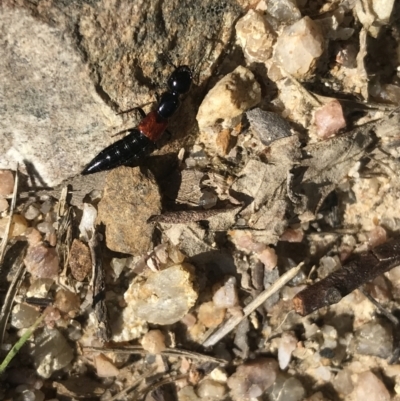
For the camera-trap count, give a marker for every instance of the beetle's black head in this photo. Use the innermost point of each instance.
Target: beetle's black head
(180, 80)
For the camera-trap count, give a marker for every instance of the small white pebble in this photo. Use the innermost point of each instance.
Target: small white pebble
(46, 206)
(31, 212)
(287, 345)
(45, 227)
(211, 388)
(219, 375)
(377, 236)
(226, 296)
(86, 226)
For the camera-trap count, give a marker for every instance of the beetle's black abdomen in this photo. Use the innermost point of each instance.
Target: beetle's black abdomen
(134, 146)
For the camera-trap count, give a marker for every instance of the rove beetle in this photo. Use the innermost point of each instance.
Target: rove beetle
(141, 140)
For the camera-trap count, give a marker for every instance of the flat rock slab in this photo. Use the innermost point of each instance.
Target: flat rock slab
(130, 198)
(51, 117)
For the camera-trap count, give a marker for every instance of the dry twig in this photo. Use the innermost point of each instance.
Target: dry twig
(230, 324)
(172, 352)
(342, 282)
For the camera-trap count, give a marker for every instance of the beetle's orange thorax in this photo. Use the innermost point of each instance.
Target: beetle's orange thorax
(153, 126)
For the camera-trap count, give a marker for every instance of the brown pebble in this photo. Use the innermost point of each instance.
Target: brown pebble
(6, 182)
(224, 141)
(3, 205)
(41, 261)
(104, 366)
(154, 342)
(329, 119)
(80, 261)
(130, 198)
(210, 315)
(67, 302)
(18, 225)
(253, 378)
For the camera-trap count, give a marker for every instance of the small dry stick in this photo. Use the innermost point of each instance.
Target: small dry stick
(170, 352)
(8, 226)
(235, 320)
(342, 282)
(122, 394)
(99, 290)
(188, 216)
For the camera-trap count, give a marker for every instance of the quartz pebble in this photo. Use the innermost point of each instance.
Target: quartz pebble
(285, 11)
(154, 342)
(226, 296)
(330, 336)
(369, 387)
(45, 227)
(162, 297)
(328, 265)
(219, 375)
(41, 261)
(31, 212)
(6, 182)
(228, 99)
(74, 330)
(212, 389)
(23, 316)
(18, 225)
(210, 315)
(375, 339)
(39, 288)
(86, 226)
(187, 394)
(377, 236)
(51, 352)
(255, 36)
(208, 200)
(117, 265)
(286, 389)
(287, 345)
(253, 378)
(329, 119)
(46, 206)
(299, 47)
(342, 382)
